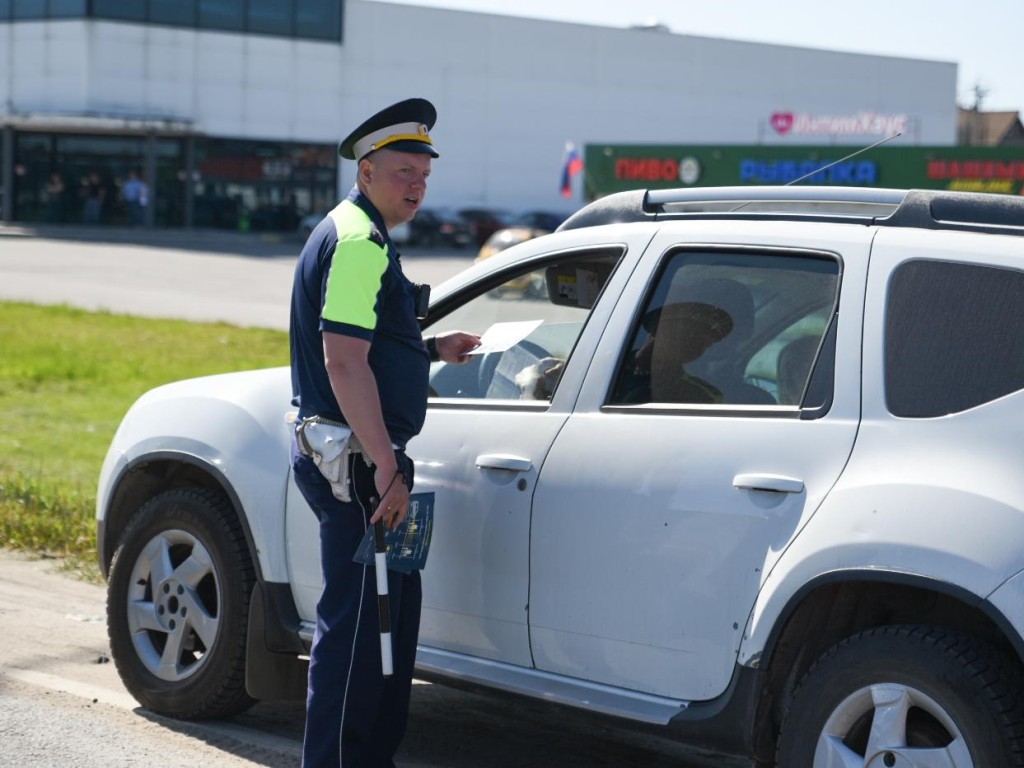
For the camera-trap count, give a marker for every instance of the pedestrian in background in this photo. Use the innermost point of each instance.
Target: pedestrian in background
(95, 195)
(55, 198)
(135, 197)
(359, 359)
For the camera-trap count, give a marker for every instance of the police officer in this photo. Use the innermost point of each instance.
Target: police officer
(358, 358)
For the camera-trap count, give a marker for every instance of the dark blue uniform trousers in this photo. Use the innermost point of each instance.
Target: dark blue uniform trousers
(355, 717)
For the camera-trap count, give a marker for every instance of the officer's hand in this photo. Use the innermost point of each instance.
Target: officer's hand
(455, 346)
(394, 498)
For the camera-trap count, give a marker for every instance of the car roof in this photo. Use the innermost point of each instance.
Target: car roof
(924, 209)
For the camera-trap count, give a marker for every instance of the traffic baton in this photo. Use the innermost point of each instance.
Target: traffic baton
(380, 559)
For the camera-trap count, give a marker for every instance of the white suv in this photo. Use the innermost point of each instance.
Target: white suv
(747, 475)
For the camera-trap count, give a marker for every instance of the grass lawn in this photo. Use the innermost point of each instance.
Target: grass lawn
(67, 376)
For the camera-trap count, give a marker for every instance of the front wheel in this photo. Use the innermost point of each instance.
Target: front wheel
(178, 606)
(912, 696)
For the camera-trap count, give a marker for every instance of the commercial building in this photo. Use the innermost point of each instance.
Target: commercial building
(616, 168)
(231, 109)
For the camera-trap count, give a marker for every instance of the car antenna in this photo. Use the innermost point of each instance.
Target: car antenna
(878, 143)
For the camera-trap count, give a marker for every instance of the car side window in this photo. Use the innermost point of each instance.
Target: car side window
(529, 322)
(954, 337)
(722, 328)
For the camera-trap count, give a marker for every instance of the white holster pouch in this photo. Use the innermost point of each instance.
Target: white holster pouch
(329, 444)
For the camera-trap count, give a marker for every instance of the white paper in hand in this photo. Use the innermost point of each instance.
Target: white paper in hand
(502, 336)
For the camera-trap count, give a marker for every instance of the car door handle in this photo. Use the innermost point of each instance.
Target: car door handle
(775, 483)
(504, 461)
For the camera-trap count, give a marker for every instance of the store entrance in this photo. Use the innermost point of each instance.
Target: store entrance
(244, 185)
(73, 179)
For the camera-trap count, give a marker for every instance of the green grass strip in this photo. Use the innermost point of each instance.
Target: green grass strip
(67, 376)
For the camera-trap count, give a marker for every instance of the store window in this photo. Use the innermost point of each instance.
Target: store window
(270, 17)
(29, 9)
(79, 179)
(125, 10)
(176, 12)
(228, 15)
(311, 19)
(262, 186)
(318, 19)
(71, 9)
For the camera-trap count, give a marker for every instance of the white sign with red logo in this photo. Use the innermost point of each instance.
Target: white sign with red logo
(870, 123)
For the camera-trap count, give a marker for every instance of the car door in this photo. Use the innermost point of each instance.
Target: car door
(490, 424)
(692, 458)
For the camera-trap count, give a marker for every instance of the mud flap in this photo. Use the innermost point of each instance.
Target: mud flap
(270, 674)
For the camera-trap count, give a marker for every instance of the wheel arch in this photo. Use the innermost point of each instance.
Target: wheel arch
(274, 669)
(835, 605)
(153, 473)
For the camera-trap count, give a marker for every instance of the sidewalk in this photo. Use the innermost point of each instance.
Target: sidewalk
(210, 240)
(257, 244)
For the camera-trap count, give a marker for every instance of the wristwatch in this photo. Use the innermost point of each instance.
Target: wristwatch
(432, 349)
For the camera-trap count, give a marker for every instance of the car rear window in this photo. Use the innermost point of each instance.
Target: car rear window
(954, 337)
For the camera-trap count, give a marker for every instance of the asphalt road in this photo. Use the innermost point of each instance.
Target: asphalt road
(61, 702)
(241, 279)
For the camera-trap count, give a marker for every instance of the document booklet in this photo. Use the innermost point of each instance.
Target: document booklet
(407, 544)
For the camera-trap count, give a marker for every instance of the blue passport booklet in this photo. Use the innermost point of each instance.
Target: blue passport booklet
(409, 543)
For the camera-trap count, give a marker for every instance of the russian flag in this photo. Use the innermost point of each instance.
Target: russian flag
(573, 165)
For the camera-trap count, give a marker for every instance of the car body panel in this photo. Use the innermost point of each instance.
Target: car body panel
(910, 482)
(234, 422)
(669, 497)
(644, 558)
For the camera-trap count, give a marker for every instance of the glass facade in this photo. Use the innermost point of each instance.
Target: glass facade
(57, 176)
(308, 19)
(124, 10)
(28, 9)
(64, 178)
(261, 185)
(66, 9)
(172, 12)
(271, 17)
(228, 15)
(61, 177)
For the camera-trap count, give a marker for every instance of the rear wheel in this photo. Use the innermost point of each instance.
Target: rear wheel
(178, 605)
(907, 696)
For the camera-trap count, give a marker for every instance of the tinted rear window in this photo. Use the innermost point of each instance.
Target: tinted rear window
(954, 337)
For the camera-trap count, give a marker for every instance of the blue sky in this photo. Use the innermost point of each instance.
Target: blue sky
(981, 36)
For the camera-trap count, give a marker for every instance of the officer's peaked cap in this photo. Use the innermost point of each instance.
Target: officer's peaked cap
(404, 127)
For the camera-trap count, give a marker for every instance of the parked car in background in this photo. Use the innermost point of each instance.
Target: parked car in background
(485, 221)
(523, 227)
(399, 235)
(543, 220)
(440, 228)
(744, 473)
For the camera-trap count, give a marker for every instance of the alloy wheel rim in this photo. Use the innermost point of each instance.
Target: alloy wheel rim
(174, 605)
(889, 725)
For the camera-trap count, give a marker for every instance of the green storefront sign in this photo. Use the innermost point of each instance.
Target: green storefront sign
(617, 167)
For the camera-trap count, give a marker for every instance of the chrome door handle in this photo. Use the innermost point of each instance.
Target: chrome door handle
(504, 461)
(774, 483)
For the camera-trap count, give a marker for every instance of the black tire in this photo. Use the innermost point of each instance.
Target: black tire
(178, 637)
(928, 689)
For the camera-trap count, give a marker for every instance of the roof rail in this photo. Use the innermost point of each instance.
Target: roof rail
(965, 211)
(926, 209)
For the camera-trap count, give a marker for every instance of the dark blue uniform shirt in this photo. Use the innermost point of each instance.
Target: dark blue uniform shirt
(349, 280)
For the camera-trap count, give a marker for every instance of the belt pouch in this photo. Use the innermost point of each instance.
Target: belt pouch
(328, 444)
